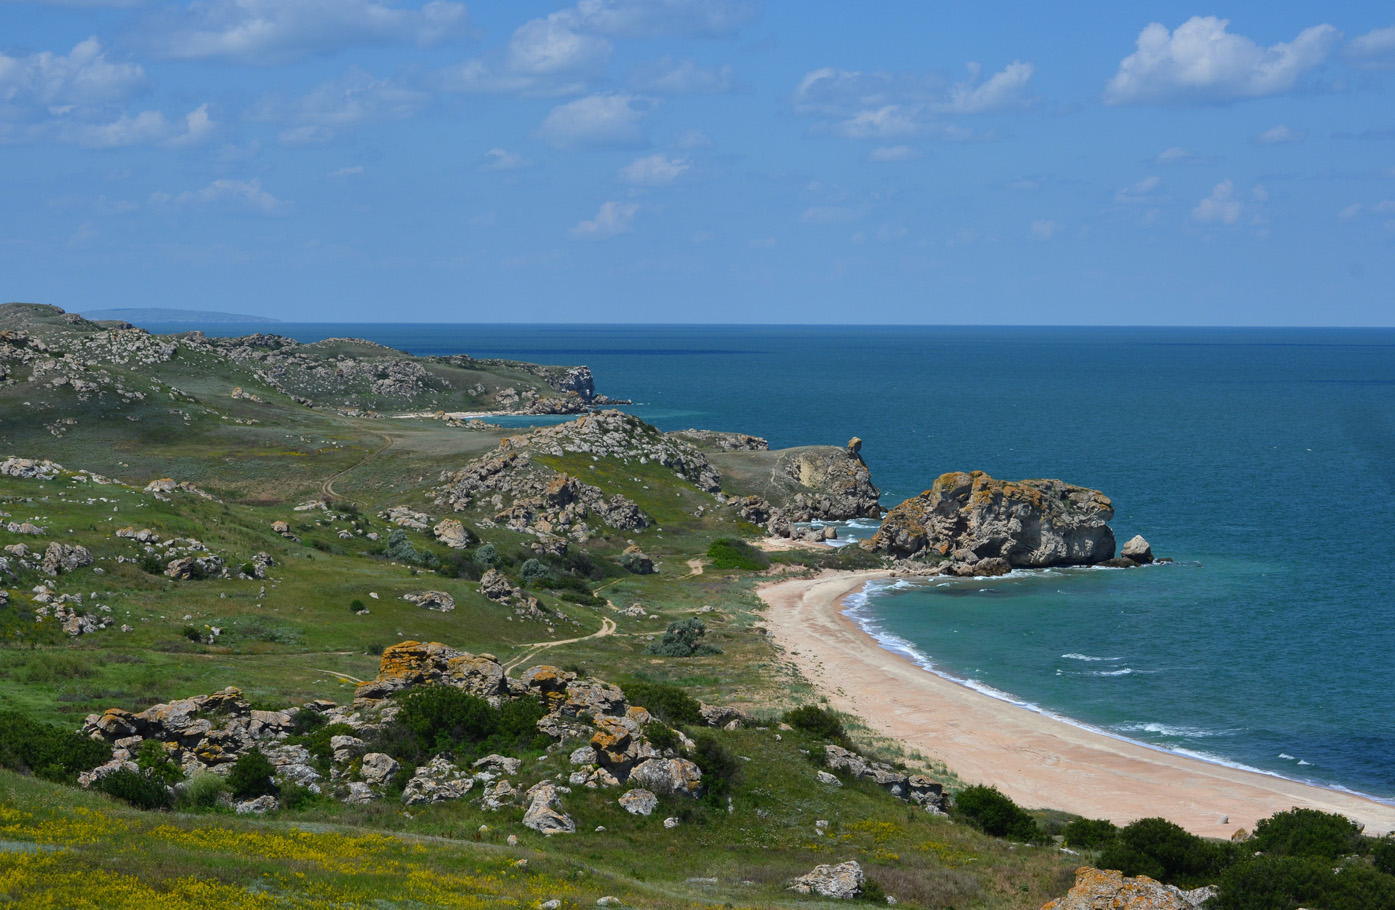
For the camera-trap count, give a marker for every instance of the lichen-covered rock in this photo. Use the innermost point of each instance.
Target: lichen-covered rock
(668, 776)
(1104, 889)
(1138, 550)
(452, 533)
(1029, 523)
(498, 764)
(844, 881)
(639, 801)
(437, 781)
(191, 568)
(824, 483)
(544, 815)
(439, 601)
(378, 768)
(64, 557)
(30, 468)
(410, 664)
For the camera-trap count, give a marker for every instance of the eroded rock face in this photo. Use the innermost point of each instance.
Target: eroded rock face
(1104, 888)
(1138, 550)
(844, 881)
(1029, 523)
(639, 801)
(412, 663)
(437, 781)
(668, 776)
(64, 557)
(452, 533)
(827, 484)
(439, 601)
(543, 813)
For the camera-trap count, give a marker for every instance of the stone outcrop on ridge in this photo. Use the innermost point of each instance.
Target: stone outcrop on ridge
(826, 484)
(1097, 888)
(970, 518)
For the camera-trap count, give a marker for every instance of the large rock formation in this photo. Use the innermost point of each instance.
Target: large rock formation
(827, 484)
(973, 517)
(1103, 888)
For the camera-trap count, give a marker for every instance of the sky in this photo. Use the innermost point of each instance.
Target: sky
(701, 161)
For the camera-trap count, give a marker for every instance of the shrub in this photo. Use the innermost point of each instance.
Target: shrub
(150, 564)
(306, 721)
(1307, 832)
(1157, 848)
(683, 638)
(136, 788)
(721, 769)
(662, 737)
(251, 776)
(356, 606)
(316, 739)
(1383, 856)
(669, 704)
(156, 763)
(730, 553)
(438, 719)
(400, 549)
(532, 571)
(1288, 882)
(202, 790)
(47, 750)
(994, 813)
(486, 557)
(820, 723)
(1089, 833)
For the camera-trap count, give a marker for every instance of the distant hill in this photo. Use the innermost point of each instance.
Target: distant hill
(172, 317)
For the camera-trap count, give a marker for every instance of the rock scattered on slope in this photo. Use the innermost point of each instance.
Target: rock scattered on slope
(844, 881)
(1102, 888)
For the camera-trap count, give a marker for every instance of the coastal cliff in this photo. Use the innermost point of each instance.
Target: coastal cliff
(971, 518)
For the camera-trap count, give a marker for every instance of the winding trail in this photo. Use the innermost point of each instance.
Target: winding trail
(607, 629)
(696, 566)
(327, 488)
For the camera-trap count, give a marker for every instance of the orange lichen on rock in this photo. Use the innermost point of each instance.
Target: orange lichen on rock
(1105, 889)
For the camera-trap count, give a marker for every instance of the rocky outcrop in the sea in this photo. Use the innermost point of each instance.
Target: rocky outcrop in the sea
(971, 518)
(1103, 888)
(823, 483)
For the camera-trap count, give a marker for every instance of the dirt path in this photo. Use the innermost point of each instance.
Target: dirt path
(327, 488)
(607, 629)
(696, 566)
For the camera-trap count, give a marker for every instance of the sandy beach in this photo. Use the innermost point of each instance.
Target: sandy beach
(1037, 760)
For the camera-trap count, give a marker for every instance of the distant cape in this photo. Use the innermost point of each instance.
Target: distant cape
(170, 317)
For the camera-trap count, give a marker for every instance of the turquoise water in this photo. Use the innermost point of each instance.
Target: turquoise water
(1262, 460)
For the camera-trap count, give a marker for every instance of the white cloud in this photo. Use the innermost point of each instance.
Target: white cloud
(667, 76)
(1141, 193)
(552, 45)
(355, 97)
(660, 18)
(830, 214)
(1281, 135)
(497, 159)
(888, 153)
(1202, 62)
(884, 105)
(655, 170)
(265, 32)
(1178, 155)
(1374, 50)
(1350, 211)
(609, 118)
(241, 193)
(1226, 206)
(612, 218)
(1044, 230)
(84, 78)
(144, 128)
(1384, 207)
(344, 173)
(692, 139)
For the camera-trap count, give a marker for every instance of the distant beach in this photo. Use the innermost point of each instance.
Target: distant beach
(1038, 760)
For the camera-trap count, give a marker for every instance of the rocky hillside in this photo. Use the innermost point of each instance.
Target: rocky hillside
(978, 525)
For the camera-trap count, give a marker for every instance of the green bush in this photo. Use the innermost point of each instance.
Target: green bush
(1089, 833)
(136, 788)
(1157, 848)
(669, 704)
(486, 557)
(1308, 832)
(993, 813)
(154, 760)
(730, 553)
(1289, 882)
(721, 768)
(438, 719)
(399, 549)
(533, 571)
(47, 750)
(357, 606)
(202, 790)
(683, 638)
(662, 737)
(251, 776)
(316, 740)
(820, 723)
(1383, 856)
(151, 564)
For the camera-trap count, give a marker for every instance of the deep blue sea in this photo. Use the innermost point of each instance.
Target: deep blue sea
(1261, 460)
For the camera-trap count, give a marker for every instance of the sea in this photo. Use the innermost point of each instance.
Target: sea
(1260, 460)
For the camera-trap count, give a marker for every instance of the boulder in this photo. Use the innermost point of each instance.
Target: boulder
(452, 533)
(409, 664)
(498, 764)
(639, 801)
(259, 806)
(844, 881)
(378, 768)
(498, 794)
(544, 815)
(191, 568)
(496, 586)
(64, 557)
(1096, 888)
(1029, 523)
(826, 483)
(1138, 550)
(668, 776)
(831, 780)
(437, 781)
(439, 601)
(636, 561)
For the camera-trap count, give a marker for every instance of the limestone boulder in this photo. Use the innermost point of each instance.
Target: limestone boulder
(410, 664)
(1097, 888)
(439, 601)
(544, 813)
(64, 557)
(1138, 550)
(437, 781)
(378, 769)
(668, 776)
(452, 533)
(639, 801)
(844, 881)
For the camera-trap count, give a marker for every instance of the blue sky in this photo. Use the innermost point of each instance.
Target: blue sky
(714, 161)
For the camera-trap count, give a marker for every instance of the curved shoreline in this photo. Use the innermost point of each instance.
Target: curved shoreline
(1038, 760)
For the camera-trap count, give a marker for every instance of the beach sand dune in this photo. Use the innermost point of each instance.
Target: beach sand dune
(1037, 760)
